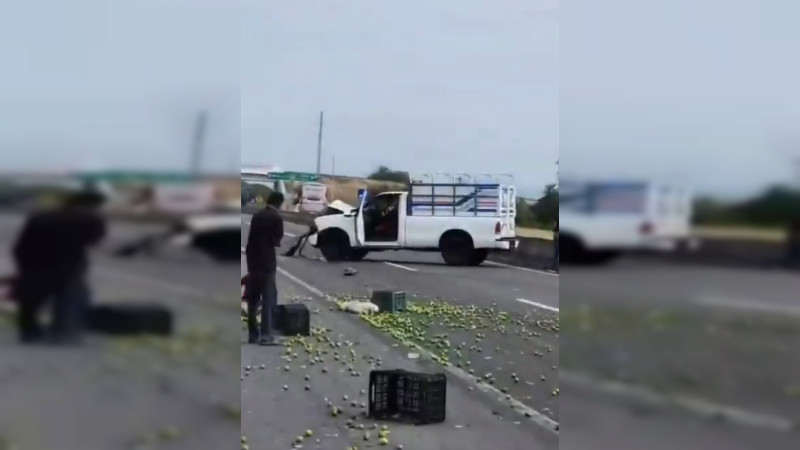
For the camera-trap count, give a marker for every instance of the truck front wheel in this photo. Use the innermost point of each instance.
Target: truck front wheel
(358, 254)
(334, 246)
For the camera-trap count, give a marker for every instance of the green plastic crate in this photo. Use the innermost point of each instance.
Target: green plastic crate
(390, 301)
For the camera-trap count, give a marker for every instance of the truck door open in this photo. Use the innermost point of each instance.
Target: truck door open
(360, 235)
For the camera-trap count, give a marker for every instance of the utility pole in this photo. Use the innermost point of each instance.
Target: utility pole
(198, 142)
(558, 171)
(319, 145)
(333, 164)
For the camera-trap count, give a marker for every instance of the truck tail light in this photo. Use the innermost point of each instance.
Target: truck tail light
(498, 228)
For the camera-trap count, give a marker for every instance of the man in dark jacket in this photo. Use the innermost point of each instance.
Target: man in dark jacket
(266, 232)
(51, 256)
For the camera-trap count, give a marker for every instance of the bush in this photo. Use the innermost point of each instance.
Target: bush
(543, 214)
(251, 191)
(385, 174)
(777, 206)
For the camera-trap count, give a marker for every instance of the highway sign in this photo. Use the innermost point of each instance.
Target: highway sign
(292, 176)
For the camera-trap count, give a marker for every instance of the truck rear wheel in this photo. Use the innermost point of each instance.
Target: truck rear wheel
(478, 256)
(456, 248)
(357, 254)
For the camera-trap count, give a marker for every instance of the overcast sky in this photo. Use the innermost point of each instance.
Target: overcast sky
(702, 90)
(113, 83)
(422, 86)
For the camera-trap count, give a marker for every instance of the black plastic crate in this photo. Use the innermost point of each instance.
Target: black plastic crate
(293, 319)
(406, 396)
(390, 301)
(130, 319)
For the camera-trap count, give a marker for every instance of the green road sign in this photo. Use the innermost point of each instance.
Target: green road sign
(120, 176)
(292, 176)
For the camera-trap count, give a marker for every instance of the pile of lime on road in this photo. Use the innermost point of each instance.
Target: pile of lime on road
(464, 220)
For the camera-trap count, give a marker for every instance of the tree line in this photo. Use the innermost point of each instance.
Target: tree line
(776, 206)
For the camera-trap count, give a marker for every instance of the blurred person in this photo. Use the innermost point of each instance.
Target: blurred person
(51, 258)
(266, 233)
(554, 265)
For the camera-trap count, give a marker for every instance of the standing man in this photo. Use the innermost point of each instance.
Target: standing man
(266, 232)
(51, 256)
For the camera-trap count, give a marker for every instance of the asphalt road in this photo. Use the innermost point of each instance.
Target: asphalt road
(662, 284)
(283, 396)
(593, 417)
(178, 393)
(183, 395)
(518, 350)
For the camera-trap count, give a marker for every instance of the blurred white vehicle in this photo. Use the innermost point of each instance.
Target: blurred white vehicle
(600, 220)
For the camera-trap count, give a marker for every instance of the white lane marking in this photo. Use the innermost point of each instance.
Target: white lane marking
(690, 404)
(400, 266)
(538, 305)
(526, 269)
(302, 283)
(751, 305)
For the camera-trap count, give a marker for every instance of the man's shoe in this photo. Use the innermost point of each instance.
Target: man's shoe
(252, 338)
(267, 341)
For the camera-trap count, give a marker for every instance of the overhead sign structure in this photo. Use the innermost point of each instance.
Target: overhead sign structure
(293, 176)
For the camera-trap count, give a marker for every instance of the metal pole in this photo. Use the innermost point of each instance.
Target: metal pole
(198, 142)
(333, 164)
(319, 145)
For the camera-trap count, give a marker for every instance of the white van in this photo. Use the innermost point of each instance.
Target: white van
(600, 220)
(313, 198)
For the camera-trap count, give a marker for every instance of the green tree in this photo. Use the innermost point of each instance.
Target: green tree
(386, 174)
(776, 206)
(545, 210)
(254, 190)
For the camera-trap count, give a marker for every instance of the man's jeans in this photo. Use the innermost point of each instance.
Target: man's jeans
(70, 305)
(263, 293)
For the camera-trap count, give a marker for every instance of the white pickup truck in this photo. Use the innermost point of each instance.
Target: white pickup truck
(463, 221)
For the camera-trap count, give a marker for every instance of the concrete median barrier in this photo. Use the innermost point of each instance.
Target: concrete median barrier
(728, 253)
(537, 253)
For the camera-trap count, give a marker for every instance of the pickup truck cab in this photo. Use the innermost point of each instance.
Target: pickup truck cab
(462, 221)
